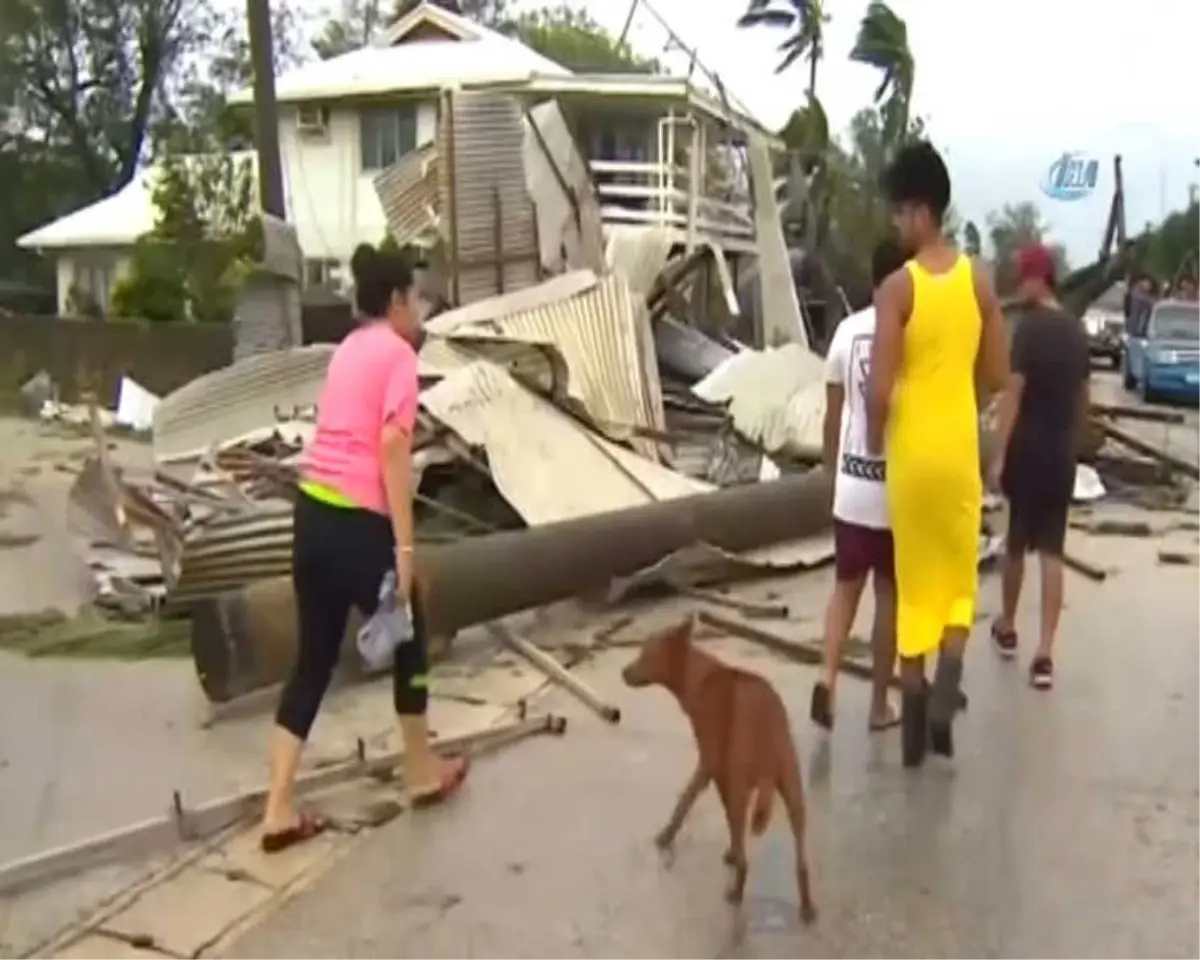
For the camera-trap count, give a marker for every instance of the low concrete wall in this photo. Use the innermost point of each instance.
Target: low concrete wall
(84, 355)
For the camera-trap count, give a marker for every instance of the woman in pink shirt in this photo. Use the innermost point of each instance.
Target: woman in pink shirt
(353, 523)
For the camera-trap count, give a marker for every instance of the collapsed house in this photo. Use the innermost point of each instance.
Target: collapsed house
(585, 363)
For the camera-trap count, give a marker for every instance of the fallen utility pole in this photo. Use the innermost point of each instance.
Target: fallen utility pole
(187, 825)
(246, 639)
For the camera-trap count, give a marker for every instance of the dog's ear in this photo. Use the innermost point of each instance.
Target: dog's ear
(682, 631)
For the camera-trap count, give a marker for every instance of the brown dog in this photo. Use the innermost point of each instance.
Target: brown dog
(745, 746)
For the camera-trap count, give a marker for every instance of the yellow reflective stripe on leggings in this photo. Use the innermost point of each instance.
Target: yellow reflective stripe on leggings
(324, 493)
(420, 681)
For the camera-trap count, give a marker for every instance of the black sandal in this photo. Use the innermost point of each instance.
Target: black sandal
(820, 708)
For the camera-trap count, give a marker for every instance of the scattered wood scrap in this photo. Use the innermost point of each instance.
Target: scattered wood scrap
(795, 650)
(1150, 414)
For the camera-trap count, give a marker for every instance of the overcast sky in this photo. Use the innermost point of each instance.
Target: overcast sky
(1007, 87)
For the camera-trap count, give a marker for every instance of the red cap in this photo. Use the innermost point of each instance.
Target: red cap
(1035, 262)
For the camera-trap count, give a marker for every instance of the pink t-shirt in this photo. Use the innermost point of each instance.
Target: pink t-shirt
(372, 381)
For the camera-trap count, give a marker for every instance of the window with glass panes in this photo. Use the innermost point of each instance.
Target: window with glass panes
(388, 133)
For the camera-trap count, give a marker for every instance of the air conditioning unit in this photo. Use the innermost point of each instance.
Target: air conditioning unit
(312, 121)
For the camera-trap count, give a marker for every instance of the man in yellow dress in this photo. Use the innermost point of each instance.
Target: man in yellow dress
(938, 323)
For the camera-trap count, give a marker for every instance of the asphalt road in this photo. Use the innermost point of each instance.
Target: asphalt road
(1065, 827)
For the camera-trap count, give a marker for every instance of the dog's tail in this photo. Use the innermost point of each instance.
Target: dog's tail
(764, 798)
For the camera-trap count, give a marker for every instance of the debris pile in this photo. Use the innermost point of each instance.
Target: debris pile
(574, 373)
(546, 404)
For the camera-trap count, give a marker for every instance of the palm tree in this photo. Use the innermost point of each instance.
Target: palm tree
(806, 20)
(882, 43)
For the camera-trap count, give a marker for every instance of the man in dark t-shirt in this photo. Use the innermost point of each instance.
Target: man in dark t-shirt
(1040, 416)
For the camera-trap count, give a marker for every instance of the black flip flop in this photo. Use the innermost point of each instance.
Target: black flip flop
(308, 826)
(449, 787)
(820, 709)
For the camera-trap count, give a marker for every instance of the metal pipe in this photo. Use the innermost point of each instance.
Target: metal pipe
(246, 639)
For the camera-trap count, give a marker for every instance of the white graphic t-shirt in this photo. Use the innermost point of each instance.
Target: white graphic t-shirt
(859, 496)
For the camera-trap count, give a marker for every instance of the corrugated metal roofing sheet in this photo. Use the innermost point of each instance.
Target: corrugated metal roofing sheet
(605, 339)
(480, 135)
(560, 183)
(638, 253)
(776, 397)
(547, 466)
(408, 194)
(548, 291)
(238, 399)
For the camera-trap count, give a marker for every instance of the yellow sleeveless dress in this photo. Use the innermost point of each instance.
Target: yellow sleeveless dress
(934, 488)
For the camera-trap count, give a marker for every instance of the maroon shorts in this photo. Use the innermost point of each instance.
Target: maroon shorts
(859, 550)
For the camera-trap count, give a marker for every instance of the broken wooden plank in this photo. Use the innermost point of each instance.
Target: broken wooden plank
(1089, 570)
(182, 824)
(1179, 465)
(1151, 414)
(795, 650)
(747, 608)
(555, 671)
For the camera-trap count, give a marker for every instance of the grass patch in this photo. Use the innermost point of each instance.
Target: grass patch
(92, 636)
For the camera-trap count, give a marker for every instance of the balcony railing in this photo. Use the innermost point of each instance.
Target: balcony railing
(658, 195)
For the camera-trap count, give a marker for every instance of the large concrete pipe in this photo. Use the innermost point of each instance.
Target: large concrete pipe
(245, 639)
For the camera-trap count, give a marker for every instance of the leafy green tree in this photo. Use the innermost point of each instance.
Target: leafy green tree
(94, 75)
(882, 42)
(566, 34)
(1171, 243)
(192, 263)
(1009, 229)
(355, 26)
(972, 240)
(805, 22)
(89, 88)
(569, 36)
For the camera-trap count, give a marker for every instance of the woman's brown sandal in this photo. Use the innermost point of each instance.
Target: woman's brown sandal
(308, 826)
(452, 780)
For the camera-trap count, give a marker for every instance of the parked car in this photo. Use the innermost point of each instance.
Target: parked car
(1162, 359)
(1104, 332)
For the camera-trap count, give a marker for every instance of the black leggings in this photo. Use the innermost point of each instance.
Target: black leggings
(339, 559)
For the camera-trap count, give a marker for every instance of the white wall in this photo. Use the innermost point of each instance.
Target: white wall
(330, 199)
(89, 267)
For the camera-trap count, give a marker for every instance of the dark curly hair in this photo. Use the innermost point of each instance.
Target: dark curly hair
(918, 175)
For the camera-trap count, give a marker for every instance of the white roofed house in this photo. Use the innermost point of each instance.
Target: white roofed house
(91, 246)
(343, 121)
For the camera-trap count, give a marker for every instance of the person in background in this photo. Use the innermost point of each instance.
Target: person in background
(353, 523)
(1139, 300)
(938, 322)
(1185, 289)
(861, 534)
(1039, 418)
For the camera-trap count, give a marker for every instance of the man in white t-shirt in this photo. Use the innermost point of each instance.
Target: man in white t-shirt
(862, 535)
